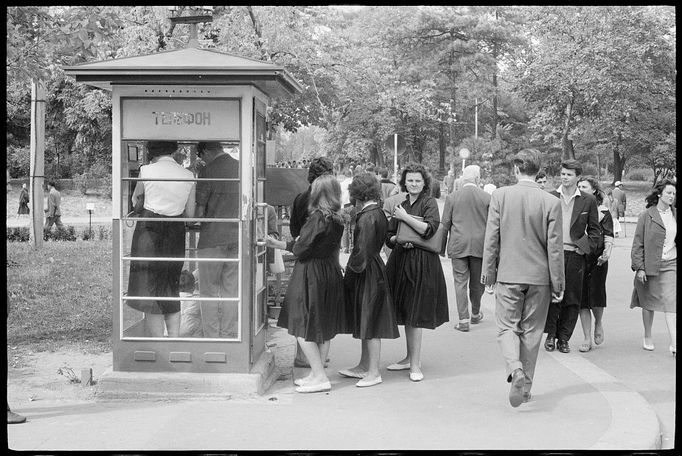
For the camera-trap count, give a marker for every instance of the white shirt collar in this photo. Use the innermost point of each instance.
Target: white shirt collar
(561, 192)
(469, 183)
(528, 179)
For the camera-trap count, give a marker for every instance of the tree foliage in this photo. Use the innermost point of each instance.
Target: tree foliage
(568, 80)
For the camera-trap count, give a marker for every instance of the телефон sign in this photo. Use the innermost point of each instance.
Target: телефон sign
(178, 119)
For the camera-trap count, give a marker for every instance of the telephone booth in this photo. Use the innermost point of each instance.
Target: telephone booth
(190, 96)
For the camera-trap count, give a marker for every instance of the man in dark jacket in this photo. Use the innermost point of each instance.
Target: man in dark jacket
(581, 233)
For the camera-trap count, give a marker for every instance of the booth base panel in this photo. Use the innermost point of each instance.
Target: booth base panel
(116, 385)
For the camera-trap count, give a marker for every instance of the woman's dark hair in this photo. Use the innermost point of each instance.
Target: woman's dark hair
(365, 187)
(597, 191)
(416, 168)
(319, 166)
(652, 198)
(159, 148)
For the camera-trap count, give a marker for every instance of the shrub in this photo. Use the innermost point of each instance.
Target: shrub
(61, 234)
(18, 234)
(104, 232)
(589, 170)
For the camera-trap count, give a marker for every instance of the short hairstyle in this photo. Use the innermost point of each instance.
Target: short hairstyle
(416, 168)
(574, 165)
(160, 148)
(319, 166)
(540, 175)
(203, 146)
(471, 173)
(652, 198)
(597, 191)
(528, 161)
(51, 183)
(383, 172)
(365, 187)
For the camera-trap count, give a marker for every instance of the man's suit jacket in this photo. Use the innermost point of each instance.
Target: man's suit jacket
(464, 219)
(585, 232)
(523, 238)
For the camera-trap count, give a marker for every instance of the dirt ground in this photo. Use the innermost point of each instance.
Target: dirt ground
(34, 376)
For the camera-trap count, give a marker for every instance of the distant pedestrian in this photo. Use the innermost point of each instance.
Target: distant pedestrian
(314, 306)
(597, 266)
(387, 185)
(654, 260)
(541, 179)
(53, 212)
(618, 203)
(464, 220)
(368, 298)
(23, 202)
(523, 235)
(581, 234)
(415, 275)
(489, 188)
(449, 181)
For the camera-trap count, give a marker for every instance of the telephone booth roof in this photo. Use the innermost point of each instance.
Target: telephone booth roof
(187, 67)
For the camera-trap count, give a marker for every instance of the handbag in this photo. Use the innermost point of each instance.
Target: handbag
(407, 234)
(277, 265)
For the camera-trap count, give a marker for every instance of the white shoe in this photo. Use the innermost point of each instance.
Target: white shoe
(646, 346)
(416, 376)
(398, 367)
(363, 383)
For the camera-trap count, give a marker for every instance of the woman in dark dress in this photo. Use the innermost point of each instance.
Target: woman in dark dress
(415, 275)
(368, 298)
(23, 201)
(594, 280)
(313, 308)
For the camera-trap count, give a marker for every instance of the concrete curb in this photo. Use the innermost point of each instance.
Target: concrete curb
(634, 423)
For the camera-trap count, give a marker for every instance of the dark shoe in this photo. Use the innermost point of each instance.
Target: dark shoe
(562, 346)
(14, 418)
(518, 380)
(550, 343)
(476, 319)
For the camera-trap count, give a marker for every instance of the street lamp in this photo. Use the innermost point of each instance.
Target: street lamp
(464, 154)
(90, 208)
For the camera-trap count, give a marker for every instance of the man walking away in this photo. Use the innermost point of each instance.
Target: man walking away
(464, 219)
(619, 202)
(523, 235)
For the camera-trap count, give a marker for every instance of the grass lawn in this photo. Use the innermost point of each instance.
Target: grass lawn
(59, 295)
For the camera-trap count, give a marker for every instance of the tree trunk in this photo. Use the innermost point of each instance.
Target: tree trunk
(618, 162)
(567, 152)
(441, 147)
(495, 119)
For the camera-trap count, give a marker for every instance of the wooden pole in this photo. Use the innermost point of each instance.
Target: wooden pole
(37, 165)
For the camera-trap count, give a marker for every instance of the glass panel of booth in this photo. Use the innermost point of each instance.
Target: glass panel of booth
(180, 240)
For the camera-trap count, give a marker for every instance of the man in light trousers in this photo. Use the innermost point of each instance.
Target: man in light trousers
(523, 256)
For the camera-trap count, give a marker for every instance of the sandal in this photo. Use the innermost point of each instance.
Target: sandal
(585, 347)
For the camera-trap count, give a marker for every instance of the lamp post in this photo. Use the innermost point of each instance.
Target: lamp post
(464, 154)
(90, 208)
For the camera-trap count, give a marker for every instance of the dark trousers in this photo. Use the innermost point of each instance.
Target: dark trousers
(562, 316)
